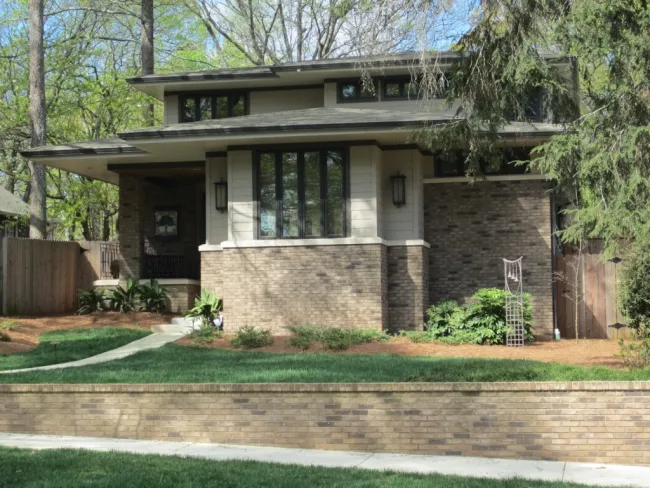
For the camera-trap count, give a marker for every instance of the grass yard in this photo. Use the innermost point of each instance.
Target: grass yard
(72, 469)
(70, 345)
(182, 364)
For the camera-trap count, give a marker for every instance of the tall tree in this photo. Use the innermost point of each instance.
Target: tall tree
(37, 187)
(147, 48)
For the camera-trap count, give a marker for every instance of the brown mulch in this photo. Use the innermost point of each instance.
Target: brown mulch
(587, 352)
(25, 336)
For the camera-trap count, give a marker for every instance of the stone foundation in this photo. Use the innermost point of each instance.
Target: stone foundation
(599, 422)
(472, 227)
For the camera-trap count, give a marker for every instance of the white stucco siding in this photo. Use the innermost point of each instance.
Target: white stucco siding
(171, 109)
(282, 100)
(241, 216)
(216, 222)
(406, 222)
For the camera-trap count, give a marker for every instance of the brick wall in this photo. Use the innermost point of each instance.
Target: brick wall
(274, 287)
(601, 422)
(472, 227)
(212, 276)
(181, 297)
(408, 286)
(138, 201)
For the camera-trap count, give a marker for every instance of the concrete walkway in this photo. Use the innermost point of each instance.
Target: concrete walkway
(588, 474)
(152, 341)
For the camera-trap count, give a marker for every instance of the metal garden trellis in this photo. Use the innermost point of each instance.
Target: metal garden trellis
(513, 276)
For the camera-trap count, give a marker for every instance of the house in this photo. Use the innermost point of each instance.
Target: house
(293, 192)
(12, 209)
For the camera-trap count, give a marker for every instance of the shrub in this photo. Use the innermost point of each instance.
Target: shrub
(634, 292)
(334, 338)
(125, 300)
(206, 307)
(205, 335)
(4, 337)
(91, 301)
(635, 355)
(153, 297)
(249, 337)
(481, 321)
(8, 325)
(303, 337)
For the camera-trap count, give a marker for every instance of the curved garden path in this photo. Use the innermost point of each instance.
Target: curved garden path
(153, 341)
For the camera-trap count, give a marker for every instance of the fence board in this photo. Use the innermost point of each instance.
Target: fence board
(42, 277)
(598, 309)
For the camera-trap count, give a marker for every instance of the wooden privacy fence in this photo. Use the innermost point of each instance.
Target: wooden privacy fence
(42, 277)
(596, 293)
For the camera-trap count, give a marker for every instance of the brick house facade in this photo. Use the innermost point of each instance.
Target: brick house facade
(306, 202)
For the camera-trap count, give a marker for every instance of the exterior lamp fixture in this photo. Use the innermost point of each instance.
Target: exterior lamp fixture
(221, 195)
(398, 184)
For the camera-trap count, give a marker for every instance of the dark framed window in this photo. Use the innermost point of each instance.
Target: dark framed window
(302, 193)
(408, 87)
(533, 107)
(402, 88)
(356, 91)
(452, 164)
(196, 107)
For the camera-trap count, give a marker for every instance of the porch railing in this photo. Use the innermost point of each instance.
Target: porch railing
(165, 266)
(109, 258)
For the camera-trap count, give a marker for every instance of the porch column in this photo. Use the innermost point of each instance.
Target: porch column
(131, 226)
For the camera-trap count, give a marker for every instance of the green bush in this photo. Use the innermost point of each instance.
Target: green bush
(205, 335)
(634, 292)
(153, 297)
(481, 321)
(4, 337)
(91, 301)
(125, 300)
(249, 337)
(333, 338)
(635, 355)
(206, 307)
(8, 325)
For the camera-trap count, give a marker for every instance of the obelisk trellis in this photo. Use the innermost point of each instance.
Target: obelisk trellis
(513, 276)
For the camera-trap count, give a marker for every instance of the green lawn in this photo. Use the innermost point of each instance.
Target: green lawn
(73, 344)
(72, 469)
(181, 364)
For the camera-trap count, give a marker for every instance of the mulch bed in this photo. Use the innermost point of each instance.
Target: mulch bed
(25, 336)
(587, 352)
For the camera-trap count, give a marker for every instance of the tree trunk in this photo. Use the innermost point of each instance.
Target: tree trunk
(147, 50)
(37, 207)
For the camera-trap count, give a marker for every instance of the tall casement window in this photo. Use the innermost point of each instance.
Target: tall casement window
(206, 107)
(302, 194)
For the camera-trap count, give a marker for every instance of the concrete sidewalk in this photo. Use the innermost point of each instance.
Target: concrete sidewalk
(589, 474)
(152, 341)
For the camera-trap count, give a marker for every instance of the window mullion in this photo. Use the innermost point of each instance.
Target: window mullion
(323, 193)
(213, 106)
(301, 194)
(279, 194)
(197, 109)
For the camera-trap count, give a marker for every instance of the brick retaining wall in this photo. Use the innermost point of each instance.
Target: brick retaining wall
(593, 422)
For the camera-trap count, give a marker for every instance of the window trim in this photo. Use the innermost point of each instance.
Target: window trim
(359, 83)
(213, 96)
(301, 150)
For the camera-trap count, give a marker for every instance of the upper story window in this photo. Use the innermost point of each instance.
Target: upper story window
(403, 88)
(213, 106)
(452, 164)
(356, 91)
(302, 194)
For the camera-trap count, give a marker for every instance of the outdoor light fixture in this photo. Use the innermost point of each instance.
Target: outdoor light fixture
(221, 195)
(398, 183)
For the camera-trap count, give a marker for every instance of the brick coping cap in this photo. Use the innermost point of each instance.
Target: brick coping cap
(328, 387)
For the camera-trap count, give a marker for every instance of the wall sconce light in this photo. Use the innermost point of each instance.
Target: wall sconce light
(221, 195)
(398, 184)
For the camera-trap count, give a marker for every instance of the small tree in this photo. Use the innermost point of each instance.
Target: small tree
(573, 284)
